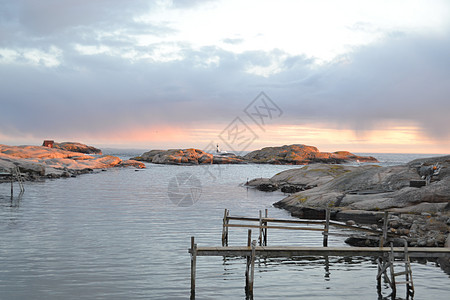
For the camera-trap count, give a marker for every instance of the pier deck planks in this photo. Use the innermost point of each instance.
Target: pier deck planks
(287, 251)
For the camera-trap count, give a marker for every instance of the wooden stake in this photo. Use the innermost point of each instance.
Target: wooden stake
(247, 267)
(265, 229)
(391, 267)
(12, 185)
(252, 270)
(327, 227)
(260, 228)
(193, 266)
(385, 225)
(225, 229)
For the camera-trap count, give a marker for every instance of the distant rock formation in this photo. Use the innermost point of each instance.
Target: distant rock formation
(301, 155)
(77, 147)
(186, 156)
(36, 161)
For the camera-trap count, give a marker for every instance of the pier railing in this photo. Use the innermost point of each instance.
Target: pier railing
(262, 224)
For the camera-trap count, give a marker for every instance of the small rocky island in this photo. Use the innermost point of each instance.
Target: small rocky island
(61, 160)
(299, 154)
(361, 194)
(285, 155)
(189, 156)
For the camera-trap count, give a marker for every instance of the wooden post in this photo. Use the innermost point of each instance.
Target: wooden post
(252, 270)
(260, 228)
(12, 184)
(327, 227)
(193, 266)
(408, 273)
(379, 267)
(385, 225)
(265, 229)
(225, 229)
(247, 267)
(391, 267)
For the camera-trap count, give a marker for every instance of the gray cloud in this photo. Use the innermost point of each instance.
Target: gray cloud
(403, 77)
(233, 41)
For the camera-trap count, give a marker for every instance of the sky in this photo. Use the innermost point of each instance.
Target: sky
(362, 76)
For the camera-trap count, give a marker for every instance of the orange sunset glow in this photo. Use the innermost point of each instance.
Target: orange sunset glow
(358, 80)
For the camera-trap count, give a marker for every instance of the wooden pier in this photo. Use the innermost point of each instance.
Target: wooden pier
(14, 175)
(385, 256)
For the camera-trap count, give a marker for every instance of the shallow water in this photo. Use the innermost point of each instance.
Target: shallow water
(118, 235)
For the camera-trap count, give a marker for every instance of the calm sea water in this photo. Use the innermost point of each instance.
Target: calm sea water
(118, 235)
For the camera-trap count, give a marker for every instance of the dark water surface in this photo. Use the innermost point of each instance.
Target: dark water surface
(117, 235)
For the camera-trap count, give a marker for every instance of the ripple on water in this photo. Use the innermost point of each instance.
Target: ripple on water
(117, 235)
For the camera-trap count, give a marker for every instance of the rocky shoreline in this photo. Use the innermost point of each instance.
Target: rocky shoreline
(39, 162)
(297, 154)
(361, 194)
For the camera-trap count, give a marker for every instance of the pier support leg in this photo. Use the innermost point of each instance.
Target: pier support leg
(379, 273)
(385, 226)
(251, 277)
(225, 228)
(247, 267)
(265, 229)
(327, 227)
(12, 185)
(260, 229)
(193, 266)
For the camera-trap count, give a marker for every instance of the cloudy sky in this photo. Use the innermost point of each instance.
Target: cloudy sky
(363, 76)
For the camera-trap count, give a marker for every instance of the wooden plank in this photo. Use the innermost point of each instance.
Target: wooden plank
(280, 251)
(277, 220)
(244, 219)
(294, 221)
(274, 227)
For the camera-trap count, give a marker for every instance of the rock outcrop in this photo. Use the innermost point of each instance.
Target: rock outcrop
(303, 178)
(421, 215)
(186, 156)
(302, 155)
(77, 147)
(378, 188)
(36, 161)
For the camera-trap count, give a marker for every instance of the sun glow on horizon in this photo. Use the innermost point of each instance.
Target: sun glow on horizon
(389, 139)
